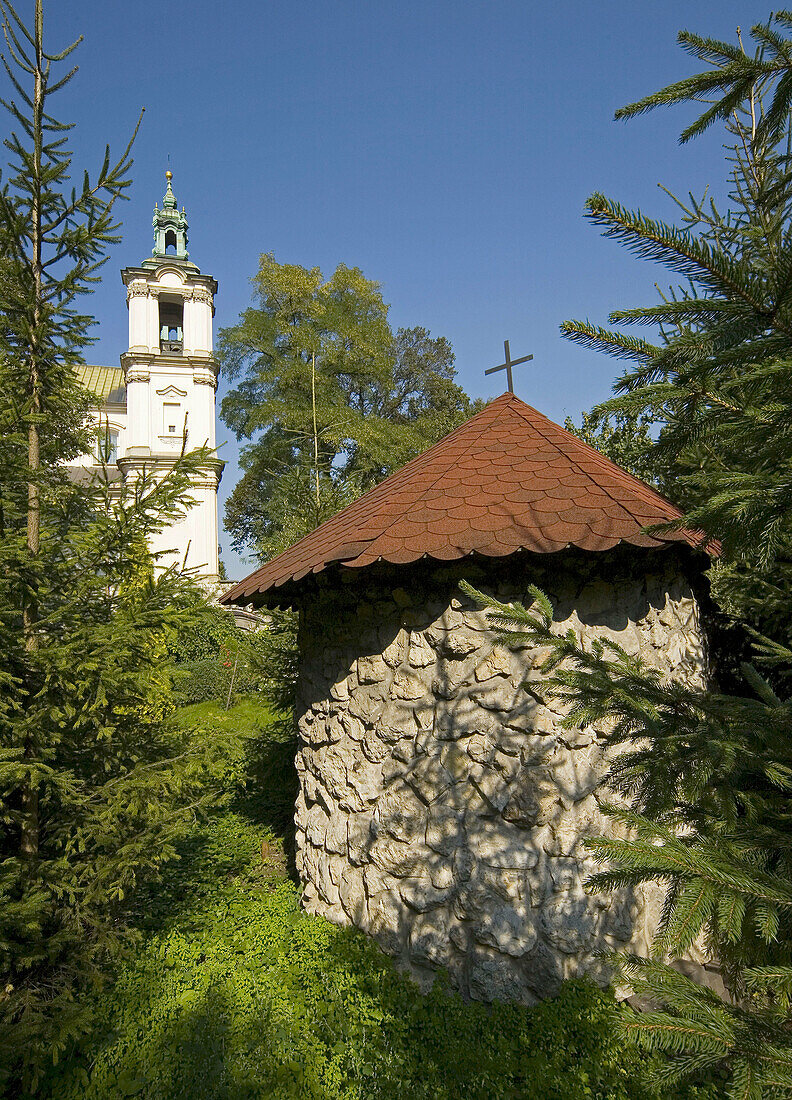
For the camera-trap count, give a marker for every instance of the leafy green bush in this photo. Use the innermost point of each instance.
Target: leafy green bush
(215, 660)
(214, 628)
(238, 994)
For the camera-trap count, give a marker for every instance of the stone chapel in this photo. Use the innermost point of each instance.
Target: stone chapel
(443, 806)
(164, 388)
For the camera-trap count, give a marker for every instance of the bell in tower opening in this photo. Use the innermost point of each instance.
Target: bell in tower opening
(171, 320)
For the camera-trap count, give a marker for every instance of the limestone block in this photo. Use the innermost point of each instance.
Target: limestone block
(334, 729)
(568, 875)
(336, 835)
(456, 761)
(420, 653)
(495, 978)
(445, 830)
(407, 685)
(394, 650)
(399, 814)
(462, 717)
(451, 619)
(367, 703)
(423, 714)
(332, 767)
(578, 738)
(497, 694)
(532, 799)
(440, 873)
(404, 750)
(374, 748)
(476, 620)
(508, 766)
(451, 676)
(351, 801)
(398, 859)
(327, 888)
(365, 778)
(316, 822)
(458, 643)
(396, 720)
(496, 663)
(340, 690)
(360, 837)
(498, 844)
(576, 773)
(570, 924)
(421, 895)
(429, 938)
(464, 864)
(384, 920)
(371, 670)
(481, 748)
(428, 778)
(459, 934)
(507, 929)
(543, 971)
(375, 881)
(491, 785)
(570, 827)
(392, 770)
(352, 895)
(353, 727)
(618, 921)
(313, 730)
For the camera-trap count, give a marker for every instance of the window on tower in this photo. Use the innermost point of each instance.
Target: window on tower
(171, 316)
(170, 242)
(171, 418)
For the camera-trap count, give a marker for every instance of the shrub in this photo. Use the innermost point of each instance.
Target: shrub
(239, 994)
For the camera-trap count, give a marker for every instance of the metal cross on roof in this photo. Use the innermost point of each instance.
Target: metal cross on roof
(507, 366)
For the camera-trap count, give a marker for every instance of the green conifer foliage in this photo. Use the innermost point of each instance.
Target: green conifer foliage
(95, 783)
(705, 783)
(703, 778)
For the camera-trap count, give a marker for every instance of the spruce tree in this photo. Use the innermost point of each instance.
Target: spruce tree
(706, 777)
(96, 785)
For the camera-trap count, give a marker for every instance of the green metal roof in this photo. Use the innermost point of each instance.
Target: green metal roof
(106, 382)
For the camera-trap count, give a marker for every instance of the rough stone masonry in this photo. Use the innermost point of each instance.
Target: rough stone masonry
(442, 807)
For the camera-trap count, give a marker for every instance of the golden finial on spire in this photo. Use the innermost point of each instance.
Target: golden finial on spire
(169, 175)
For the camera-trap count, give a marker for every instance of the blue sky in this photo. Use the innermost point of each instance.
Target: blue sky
(445, 148)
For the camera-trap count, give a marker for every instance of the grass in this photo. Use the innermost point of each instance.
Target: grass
(235, 994)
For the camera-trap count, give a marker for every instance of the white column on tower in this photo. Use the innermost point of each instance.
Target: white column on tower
(138, 301)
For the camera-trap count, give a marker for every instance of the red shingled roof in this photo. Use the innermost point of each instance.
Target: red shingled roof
(508, 479)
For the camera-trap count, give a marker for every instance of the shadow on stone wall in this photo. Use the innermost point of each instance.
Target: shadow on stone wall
(443, 807)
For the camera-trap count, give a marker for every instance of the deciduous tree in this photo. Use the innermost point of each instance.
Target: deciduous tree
(329, 398)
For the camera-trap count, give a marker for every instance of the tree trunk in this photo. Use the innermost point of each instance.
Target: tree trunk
(29, 840)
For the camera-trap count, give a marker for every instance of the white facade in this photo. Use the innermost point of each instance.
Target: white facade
(170, 382)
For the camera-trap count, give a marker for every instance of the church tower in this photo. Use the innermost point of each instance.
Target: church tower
(171, 381)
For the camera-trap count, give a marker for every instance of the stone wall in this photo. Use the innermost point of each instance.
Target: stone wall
(442, 807)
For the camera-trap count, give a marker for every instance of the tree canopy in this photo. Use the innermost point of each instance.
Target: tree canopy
(329, 398)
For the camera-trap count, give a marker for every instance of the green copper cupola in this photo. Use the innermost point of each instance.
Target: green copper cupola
(170, 226)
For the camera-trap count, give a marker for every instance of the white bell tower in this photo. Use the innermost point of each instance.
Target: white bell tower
(171, 381)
